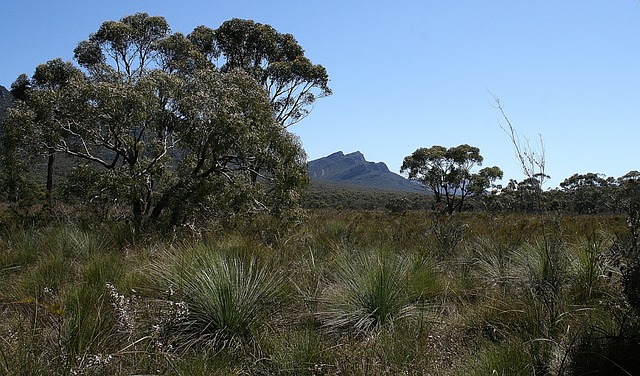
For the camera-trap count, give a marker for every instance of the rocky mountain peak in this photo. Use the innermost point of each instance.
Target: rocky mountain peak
(354, 169)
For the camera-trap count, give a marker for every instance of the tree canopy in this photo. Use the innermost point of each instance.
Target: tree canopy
(446, 172)
(589, 193)
(173, 126)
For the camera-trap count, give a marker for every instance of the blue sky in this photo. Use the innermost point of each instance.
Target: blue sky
(411, 74)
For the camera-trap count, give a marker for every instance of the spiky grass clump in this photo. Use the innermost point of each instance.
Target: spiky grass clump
(592, 272)
(226, 296)
(492, 259)
(56, 319)
(370, 290)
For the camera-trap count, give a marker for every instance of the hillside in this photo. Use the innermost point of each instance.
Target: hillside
(5, 101)
(354, 170)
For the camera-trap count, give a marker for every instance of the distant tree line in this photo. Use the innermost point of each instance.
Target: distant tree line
(589, 193)
(447, 173)
(451, 186)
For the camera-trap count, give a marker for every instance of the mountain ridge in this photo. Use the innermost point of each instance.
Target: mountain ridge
(353, 169)
(6, 100)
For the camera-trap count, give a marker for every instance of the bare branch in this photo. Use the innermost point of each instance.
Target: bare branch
(532, 162)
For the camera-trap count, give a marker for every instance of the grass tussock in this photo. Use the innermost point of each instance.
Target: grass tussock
(225, 297)
(371, 290)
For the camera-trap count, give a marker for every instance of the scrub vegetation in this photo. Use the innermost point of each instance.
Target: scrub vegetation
(339, 292)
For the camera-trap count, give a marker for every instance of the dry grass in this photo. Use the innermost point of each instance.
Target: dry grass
(339, 293)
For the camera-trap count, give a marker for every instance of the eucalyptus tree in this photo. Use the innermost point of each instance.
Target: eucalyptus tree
(130, 45)
(485, 180)
(628, 193)
(446, 172)
(523, 196)
(39, 113)
(165, 131)
(590, 192)
(277, 62)
(483, 186)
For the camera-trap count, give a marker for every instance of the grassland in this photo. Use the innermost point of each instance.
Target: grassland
(338, 292)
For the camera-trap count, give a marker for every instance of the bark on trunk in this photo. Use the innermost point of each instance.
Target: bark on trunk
(50, 163)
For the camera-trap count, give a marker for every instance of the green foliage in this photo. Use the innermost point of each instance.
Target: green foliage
(370, 290)
(591, 267)
(277, 62)
(163, 132)
(54, 300)
(323, 195)
(508, 359)
(296, 352)
(493, 260)
(447, 173)
(226, 297)
(589, 193)
(343, 292)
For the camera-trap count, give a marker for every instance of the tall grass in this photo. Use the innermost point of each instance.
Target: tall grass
(57, 316)
(371, 290)
(296, 351)
(347, 293)
(508, 359)
(493, 260)
(227, 297)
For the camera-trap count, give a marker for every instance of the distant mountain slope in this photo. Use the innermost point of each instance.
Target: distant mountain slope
(354, 169)
(6, 99)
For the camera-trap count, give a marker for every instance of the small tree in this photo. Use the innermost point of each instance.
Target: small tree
(483, 185)
(447, 173)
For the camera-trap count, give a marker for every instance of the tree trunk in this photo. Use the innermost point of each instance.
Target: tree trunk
(137, 213)
(164, 201)
(50, 162)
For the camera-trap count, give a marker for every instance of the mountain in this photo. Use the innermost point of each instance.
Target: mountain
(6, 99)
(353, 169)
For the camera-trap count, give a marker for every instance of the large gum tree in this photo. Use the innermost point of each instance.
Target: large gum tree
(174, 126)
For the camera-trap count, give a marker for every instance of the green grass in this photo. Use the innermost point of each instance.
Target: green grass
(227, 296)
(338, 292)
(508, 359)
(370, 290)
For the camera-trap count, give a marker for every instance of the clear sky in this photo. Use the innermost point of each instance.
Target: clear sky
(409, 74)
